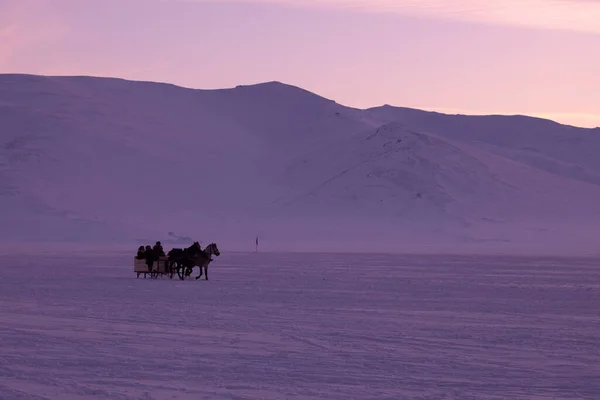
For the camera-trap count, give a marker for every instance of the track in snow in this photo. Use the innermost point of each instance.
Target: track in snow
(301, 326)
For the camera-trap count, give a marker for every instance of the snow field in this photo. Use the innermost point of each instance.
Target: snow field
(301, 326)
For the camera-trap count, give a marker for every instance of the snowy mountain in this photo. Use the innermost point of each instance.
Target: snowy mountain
(104, 160)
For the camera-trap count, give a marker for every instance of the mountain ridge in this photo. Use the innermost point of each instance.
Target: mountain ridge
(112, 160)
(276, 83)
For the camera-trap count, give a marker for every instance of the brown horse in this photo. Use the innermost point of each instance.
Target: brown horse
(186, 259)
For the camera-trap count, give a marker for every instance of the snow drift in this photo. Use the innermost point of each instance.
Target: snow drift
(102, 160)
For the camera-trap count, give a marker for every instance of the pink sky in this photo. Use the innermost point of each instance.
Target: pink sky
(535, 57)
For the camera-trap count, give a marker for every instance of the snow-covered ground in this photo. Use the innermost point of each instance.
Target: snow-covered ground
(301, 326)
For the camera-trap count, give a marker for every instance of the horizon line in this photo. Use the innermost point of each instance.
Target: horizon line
(428, 109)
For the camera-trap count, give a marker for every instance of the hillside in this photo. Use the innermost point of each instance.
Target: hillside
(559, 149)
(99, 160)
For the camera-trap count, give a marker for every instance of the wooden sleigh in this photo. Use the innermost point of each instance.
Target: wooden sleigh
(160, 267)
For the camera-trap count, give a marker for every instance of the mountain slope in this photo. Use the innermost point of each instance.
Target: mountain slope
(543, 144)
(108, 160)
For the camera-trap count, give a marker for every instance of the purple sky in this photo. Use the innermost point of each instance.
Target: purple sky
(536, 57)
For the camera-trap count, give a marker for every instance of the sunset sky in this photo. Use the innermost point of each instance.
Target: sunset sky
(534, 57)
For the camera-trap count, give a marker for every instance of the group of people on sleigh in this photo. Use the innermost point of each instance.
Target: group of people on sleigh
(151, 254)
(157, 253)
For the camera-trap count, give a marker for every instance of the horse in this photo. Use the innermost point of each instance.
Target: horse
(186, 259)
(209, 250)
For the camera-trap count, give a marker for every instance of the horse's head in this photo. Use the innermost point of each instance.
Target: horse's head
(212, 249)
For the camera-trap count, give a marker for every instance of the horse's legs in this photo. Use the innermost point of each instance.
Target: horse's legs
(205, 272)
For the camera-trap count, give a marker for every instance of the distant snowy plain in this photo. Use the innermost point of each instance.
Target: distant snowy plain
(301, 326)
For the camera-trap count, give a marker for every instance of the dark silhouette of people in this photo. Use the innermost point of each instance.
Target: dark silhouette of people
(141, 254)
(149, 254)
(158, 250)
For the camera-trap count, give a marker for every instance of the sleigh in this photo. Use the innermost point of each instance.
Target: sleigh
(160, 267)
